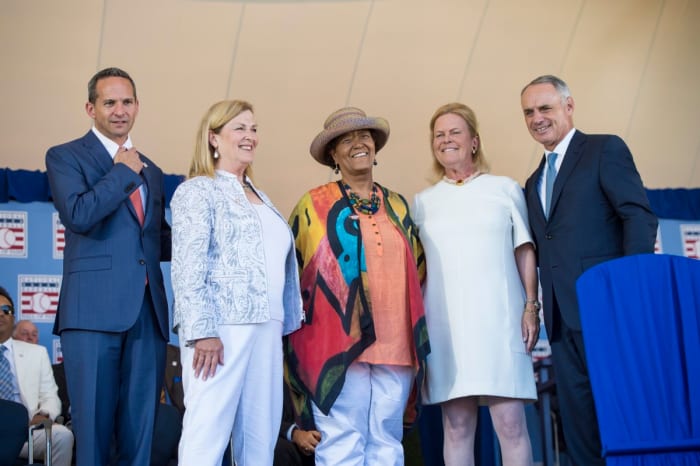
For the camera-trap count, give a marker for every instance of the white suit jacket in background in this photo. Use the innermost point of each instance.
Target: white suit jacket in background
(37, 386)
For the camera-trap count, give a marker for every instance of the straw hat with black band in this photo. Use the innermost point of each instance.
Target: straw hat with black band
(343, 121)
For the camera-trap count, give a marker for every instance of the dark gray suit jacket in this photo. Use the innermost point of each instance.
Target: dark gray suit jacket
(599, 211)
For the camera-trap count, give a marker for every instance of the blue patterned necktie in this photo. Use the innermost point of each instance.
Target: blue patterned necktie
(549, 182)
(7, 389)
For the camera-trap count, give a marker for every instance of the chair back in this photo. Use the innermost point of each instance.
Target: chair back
(13, 430)
(640, 317)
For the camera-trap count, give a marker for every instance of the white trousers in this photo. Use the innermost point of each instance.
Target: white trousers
(61, 445)
(243, 399)
(365, 424)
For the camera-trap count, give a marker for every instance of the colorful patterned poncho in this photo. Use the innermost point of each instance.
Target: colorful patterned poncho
(335, 292)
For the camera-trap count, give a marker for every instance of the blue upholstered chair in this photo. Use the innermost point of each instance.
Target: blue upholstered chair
(641, 327)
(13, 430)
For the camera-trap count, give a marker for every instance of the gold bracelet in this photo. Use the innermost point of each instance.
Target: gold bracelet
(535, 303)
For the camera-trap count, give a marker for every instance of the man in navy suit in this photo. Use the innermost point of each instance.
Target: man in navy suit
(589, 207)
(112, 314)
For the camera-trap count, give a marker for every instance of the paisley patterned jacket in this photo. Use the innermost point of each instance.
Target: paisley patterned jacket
(218, 260)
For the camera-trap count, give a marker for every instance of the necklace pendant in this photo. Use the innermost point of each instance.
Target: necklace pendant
(463, 181)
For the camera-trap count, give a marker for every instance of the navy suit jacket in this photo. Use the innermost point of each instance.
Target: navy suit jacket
(599, 211)
(107, 254)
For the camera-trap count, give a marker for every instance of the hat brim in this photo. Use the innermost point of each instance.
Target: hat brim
(378, 126)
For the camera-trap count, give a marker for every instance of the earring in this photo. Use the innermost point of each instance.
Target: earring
(473, 150)
(216, 154)
(336, 169)
(375, 163)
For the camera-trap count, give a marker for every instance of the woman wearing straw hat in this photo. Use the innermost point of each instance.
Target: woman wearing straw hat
(362, 349)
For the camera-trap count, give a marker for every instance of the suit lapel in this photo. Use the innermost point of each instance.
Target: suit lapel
(147, 176)
(21, 364)
(97, 151)
(573, 155)
(534, 193)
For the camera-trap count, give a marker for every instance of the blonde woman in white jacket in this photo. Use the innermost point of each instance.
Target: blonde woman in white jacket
(236, 287)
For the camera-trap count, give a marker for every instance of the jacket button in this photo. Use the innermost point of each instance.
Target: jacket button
(547, 236)
(142, 262)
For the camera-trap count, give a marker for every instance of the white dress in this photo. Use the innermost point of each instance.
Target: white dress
(474, 297)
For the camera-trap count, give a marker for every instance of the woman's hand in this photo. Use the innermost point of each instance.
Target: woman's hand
(530, 326)
(527, 269)
(208, 353)
(306, 440)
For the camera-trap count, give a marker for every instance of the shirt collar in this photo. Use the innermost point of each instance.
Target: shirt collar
(7, 344)
(228, 174)
(110, 145)
(563, 145)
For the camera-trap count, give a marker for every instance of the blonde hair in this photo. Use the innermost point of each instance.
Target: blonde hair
(469, 117)
(217, 116)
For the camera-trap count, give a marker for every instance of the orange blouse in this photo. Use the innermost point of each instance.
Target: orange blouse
(386, 264)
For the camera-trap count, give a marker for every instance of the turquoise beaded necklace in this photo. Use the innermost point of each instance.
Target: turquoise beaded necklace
(364, 206)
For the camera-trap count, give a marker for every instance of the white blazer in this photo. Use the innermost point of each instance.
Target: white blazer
(37, 385)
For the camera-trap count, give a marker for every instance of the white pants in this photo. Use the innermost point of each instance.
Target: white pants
(61, 445)
(243, 399)
(365, 424)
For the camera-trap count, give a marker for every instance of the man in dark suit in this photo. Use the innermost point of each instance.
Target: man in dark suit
(112, 314)
(586, 205)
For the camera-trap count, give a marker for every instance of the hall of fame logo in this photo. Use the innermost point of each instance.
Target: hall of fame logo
(690, 238)
(59, 236)
(658, 244)
(13, 234)
(57, 353)
(38, 297)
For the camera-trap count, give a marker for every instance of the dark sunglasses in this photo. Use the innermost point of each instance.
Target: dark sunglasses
(7, 309)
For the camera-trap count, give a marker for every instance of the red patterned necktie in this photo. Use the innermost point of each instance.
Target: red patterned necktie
(135, 197)
(138, 206)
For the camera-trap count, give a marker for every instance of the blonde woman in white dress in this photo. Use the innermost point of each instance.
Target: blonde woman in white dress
(480, 295)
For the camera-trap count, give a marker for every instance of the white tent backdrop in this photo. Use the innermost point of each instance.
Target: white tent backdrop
(632, 66)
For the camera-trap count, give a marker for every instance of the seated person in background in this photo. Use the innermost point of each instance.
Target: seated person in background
(168, 427)
(25, 330)
(295, 447)
(173, 379)
(31, 383)
(59, 375)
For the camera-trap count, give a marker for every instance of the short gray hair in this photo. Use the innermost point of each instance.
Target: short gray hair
(558, 83)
